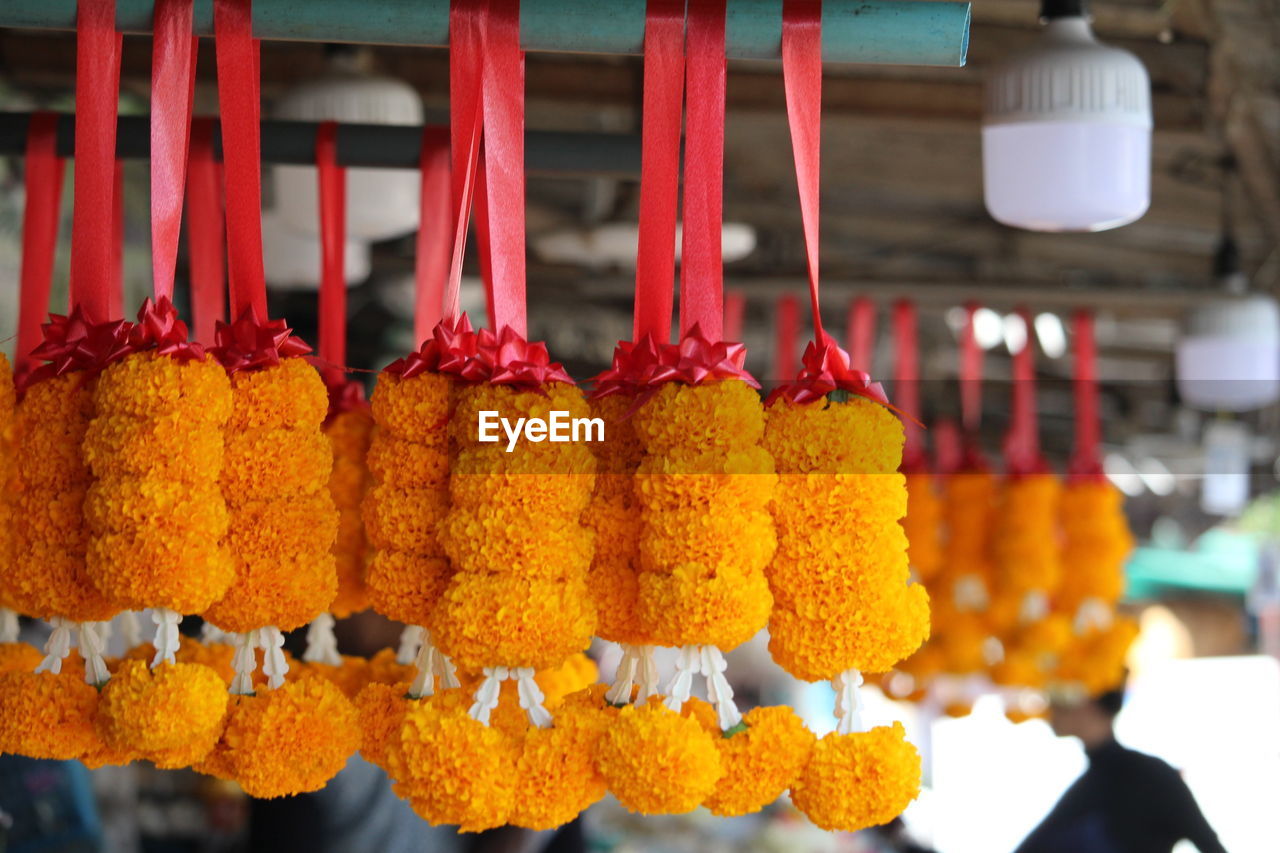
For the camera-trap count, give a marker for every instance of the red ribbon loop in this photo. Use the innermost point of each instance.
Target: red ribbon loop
(435, 228)
(906, 381)
(503, 96)
(802, 81)
(159, 328)
(239, 102)
(466, 124)
(701, 267)
(250, 343)
(663, 101)
(332, 193)
(205, 234)
(735, 314)
(788, 332)
(1022, 442)
(1086, 461)
(93, 252)
(861, 333)
(73, 342)
(970, 373)
(44, 172)
(173, 67)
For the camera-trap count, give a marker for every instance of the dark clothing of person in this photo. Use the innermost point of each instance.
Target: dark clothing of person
(1126, 802)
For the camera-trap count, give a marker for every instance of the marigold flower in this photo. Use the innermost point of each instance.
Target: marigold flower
(656, 761)
(283, 520)
(380, 710)
(557, 772)
(176, 707)
(350, 434)
(452, 768)
(923, 526)
(43, 715)
(858, 780)
(761, 761)
(286, 741)
(19, 657)
(8, 434)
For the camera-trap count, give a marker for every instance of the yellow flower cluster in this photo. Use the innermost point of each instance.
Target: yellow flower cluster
(8, 432)
(760, 762)
(614, 516)
(656, 761)
(43, 715)
(1096, 542)
(923, 526)
(557, 773)
(840, 577)
(452, 768)
(155, 512)
(409, 461)
(858, 780)
(286, 741)
(350, 434)
(1095, 661)
(1024, 550)
(704, 487)
(514, 535)
(51, 480)
(275, 480)
(171, 716)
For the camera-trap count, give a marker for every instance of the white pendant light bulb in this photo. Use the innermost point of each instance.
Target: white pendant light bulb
(1066, 136)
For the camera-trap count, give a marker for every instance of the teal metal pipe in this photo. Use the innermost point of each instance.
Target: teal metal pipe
(893, 32)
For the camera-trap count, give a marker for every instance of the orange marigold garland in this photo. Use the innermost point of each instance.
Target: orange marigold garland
(658, 761)
(8, 416)
(853, 781)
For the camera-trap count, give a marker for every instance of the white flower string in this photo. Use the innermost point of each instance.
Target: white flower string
(1035, 606)
(130, 629)
(531, 697)
(527, 691)
(486, 698)
(8, 625)
(707, 661)
(244, 662)
(848, 702)
(431, 664)
(637, 666)
(92, 647)
(322, 642)
(410, 644)
(166, 639)
(274, 665)
(57, 647)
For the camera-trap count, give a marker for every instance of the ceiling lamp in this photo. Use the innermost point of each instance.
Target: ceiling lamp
(1229, 357)
(1066, 136)
(381, 203)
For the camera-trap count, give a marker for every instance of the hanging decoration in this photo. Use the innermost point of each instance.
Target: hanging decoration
(837, 461)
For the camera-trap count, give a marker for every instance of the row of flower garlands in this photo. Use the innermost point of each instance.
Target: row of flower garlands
(248, 484)
(1024, 570)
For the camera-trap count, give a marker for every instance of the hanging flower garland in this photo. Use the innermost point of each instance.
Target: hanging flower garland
(838, 461)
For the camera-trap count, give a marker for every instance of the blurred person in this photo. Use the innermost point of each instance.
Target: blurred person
(1125, 802)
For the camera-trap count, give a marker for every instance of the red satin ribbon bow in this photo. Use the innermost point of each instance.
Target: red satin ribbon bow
(249, 343)
(73, 343)
(826, 368)
(159, 328)
(640, 367)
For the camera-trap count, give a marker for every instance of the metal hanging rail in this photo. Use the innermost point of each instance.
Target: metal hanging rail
(892, 32)
(553, 153)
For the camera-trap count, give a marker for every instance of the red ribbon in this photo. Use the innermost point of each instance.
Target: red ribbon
(205, 233)
(504, 358)
(251, 344)
(1022, 442)
(788, 331)
(503, 96)
(860, 332)
(484, 243)
(639, 368)
(239, 102)
(159, 328)
(332, 192)
(73, 342)
(466, 124)
(173, 67)
(735, 314)
(906, 382)
(660, 167)
(93, 252)
(701, 266)
(44, 171)
(435, 221)
(802, 82)
(970, 373)
(115, 284)
(1086, 461)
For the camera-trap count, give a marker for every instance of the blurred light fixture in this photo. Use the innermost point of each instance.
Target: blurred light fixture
(1066, 136)
(291, 261)
(1015, 333)
(1052, 335)
(1156, 476)
(1229, 357)
(988, 328)
(381, 203)
(613, 245)
(1122, 474)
